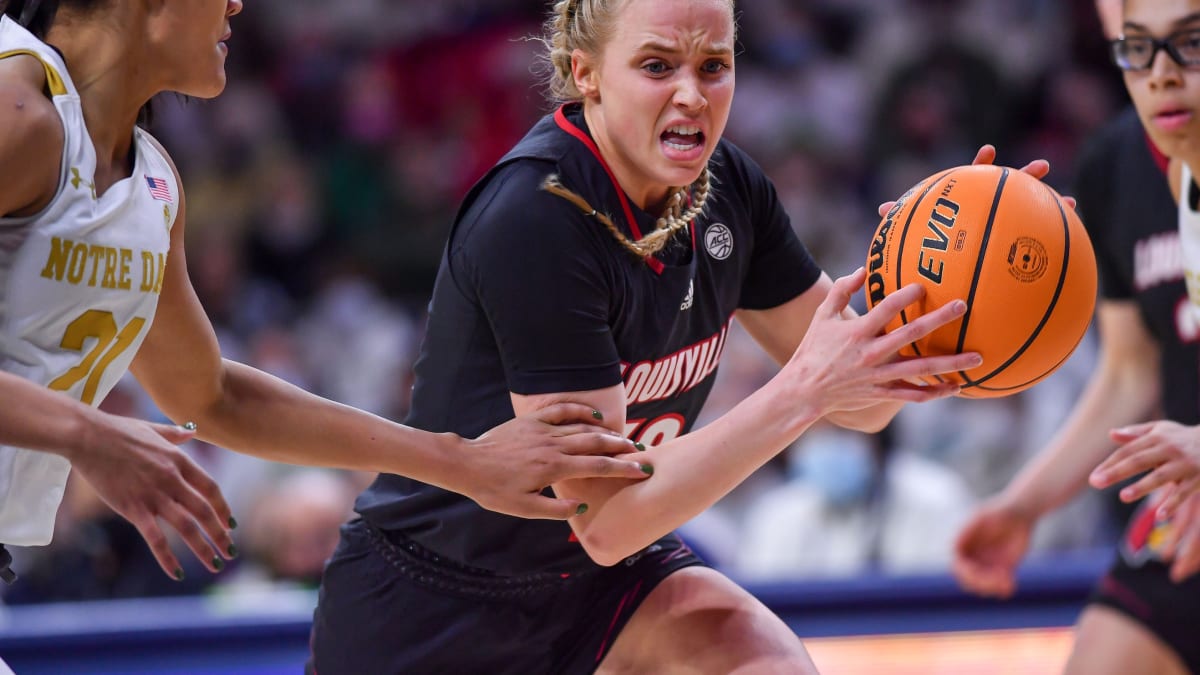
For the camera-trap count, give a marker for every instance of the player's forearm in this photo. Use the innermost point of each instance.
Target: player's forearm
(258, 414)
(36, 418)
(690, 474)
(1115, 396)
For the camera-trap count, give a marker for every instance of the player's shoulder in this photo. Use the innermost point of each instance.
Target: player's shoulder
(25, 109)
(730, 159)
(157, 153)
(514, 203)
(31, 135)
(735, 171)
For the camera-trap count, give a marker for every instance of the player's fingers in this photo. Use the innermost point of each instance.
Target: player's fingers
(1038, 168)
(887, 309)
(1129, 460)
(1169, 507)
(885, 207)
(909, 368)
(1184, 493)
(175, 434)
(842, 290)
(599, 467)
(562, 413)
(540, 507)
(1104, 469)
(212, 511)
(912, 393)
(1167, 473)
(181, 521)
(599, 444)
(148, 527)
(1187, 559)
(921, 326)
(985, 155)
(1069, 202)
(981, 579)
(560, 431)
(1128, 433)
(200, 511)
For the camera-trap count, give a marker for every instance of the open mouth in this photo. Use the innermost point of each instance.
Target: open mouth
(683, 137)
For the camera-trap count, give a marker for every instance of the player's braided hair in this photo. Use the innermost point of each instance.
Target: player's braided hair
(674, 218)
(586, 25)
(573, 24)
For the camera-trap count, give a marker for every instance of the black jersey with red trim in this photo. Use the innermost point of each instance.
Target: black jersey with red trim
(1126, 205)
(535, 296)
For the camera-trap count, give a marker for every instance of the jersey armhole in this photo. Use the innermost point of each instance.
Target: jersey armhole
(55, 86)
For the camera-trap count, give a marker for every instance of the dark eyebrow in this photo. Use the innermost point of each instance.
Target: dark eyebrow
(1194, 17)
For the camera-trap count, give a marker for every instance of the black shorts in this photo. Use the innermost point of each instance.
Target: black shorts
(389, 606)
(1138, 586)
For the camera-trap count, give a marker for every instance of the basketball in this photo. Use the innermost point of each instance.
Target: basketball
(1007, 244)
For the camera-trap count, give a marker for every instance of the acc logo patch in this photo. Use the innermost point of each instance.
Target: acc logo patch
(718, 240)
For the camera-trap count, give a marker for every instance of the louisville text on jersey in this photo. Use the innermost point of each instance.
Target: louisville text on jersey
(673, 374)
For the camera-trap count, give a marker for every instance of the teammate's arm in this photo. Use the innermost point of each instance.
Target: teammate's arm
(1122, 390)
(842, 364)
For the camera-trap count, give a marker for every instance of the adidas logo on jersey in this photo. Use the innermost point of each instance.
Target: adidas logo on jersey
(689, 298)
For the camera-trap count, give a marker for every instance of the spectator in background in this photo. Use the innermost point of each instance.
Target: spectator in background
(854, 506)
(292, 530)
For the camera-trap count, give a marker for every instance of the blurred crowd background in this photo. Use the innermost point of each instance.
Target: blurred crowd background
(322, 183)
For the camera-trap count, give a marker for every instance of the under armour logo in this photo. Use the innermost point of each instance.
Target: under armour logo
(76, 180)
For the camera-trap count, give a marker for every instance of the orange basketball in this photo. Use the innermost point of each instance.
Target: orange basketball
(1005, 243)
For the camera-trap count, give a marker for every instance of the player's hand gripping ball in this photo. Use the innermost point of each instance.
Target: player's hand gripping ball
(1007, 244)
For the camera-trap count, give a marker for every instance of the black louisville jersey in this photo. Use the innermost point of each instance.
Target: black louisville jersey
(536, 296)
(1127, 207)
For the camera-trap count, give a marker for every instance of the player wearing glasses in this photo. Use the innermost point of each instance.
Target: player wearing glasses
(1144, 613)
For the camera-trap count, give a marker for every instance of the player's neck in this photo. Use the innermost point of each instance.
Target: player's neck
(107, 72)
(651, 199)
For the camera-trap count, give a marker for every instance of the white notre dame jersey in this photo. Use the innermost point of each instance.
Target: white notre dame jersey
(79, 283)
(1189, 238)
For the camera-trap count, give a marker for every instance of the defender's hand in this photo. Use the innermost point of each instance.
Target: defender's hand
(136, 468)
(506, 469)
(989, 548)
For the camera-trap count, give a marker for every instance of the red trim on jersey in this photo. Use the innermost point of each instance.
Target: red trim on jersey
(1159, 158)
(616, 616)
(565, 124)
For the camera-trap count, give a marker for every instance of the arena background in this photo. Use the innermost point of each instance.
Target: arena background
(320, 188)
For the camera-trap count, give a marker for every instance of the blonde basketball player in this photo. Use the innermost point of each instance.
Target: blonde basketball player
(93, 282)
(651, 233)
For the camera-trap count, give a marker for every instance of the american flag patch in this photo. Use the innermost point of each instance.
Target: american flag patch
(158, 188)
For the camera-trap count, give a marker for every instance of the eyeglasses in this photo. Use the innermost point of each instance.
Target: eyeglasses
(1138, 53)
